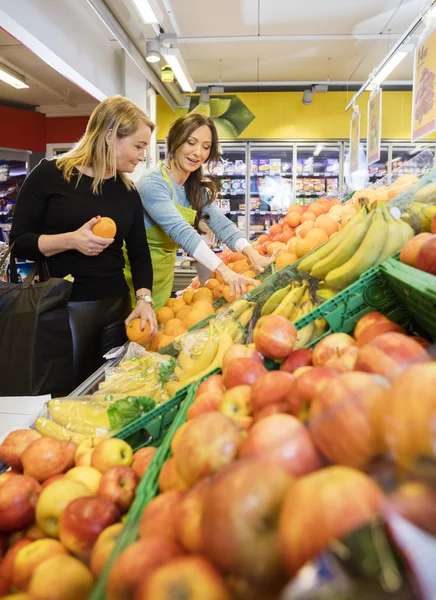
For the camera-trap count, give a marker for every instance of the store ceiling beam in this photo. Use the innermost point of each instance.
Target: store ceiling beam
(402, 82)
(40, 84)
(287, 38)
(132, 50)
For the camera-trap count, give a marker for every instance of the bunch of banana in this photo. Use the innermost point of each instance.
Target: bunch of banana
(419, 215)
(310, 333)
(218, 342)
(285, 302)
(50, 428)
(277, 298)
(366, 241)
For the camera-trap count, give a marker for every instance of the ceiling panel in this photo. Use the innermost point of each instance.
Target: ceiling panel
(227, 70)
(286, 68)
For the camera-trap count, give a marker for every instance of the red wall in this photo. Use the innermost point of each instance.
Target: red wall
(28, 130)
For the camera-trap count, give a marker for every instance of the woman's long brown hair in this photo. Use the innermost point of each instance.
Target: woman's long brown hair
(196, 184)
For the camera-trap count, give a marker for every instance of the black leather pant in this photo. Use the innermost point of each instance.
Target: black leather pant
(97, 326)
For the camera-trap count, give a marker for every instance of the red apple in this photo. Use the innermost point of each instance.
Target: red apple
(18, 498)
(7, 565)
(271, 388)
(118, 484)
(160, 516)
(236, 402)
(48, 456)
(372, 331)
(272, 409)
(185, 577)
(331, 347)
(3, 545)
(103, 548)
(111, 452)
(7, 475)
(426, 259)
(410, 251)
(297, 359)
(243, 371)
(14, 445)
(341, 419)
(416, 502)
(409, 413)
(306, 387)
(82, 522)
(282, 440)
(214, 383)
(205, 402)
(240, 519)
(368, 319)
(421, 340)
(30, 557)
(274, 336)
(207, 444)
(136, 563)
(238, 351)
(169, 479)
(190, 516)
(390, 354)
(322, 507)
(34, 532)
(301, 370)
(52, 502)
(347, 360)
(141, 460)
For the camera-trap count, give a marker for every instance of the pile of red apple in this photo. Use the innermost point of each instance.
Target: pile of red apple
(61, 507)
(252, 493)
(420, 251)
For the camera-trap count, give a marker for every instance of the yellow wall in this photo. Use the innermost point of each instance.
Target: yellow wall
(281, 115)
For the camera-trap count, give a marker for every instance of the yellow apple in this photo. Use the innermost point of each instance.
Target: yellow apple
(52, 502)
(88, 475)
(103, 547)
(111, 452)
(30, 557)
(61, 578)
(84, 451)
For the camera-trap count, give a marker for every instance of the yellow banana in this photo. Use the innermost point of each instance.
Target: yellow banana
(239, 306)
(172, 387)
(245, 317)
(52, 429)
(293, 298)
(184, 360)
(345, 250)
(225, 342)
(300, 309)
(305, 334)
(324, 251)
(325, 294)
(397, 234)
(83, 417)
(207, 357)
(273, 301)
(366, 256)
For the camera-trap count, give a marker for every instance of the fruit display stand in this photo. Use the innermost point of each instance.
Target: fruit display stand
(148, 486)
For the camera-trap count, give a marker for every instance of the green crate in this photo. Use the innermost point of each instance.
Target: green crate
(417, 291)
(150, 429)
(146, 490)
(374, 291)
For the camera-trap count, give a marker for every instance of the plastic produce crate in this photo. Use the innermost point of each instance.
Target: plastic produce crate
(374, 291)
(147, 488)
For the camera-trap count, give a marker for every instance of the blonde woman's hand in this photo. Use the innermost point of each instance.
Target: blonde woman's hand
(237, 282)
(85, 242)
(144, 311)
(258, 262)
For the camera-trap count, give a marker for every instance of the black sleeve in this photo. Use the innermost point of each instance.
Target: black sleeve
(138, 250)
(29, 212)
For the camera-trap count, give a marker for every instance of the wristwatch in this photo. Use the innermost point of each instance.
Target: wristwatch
(146, 298)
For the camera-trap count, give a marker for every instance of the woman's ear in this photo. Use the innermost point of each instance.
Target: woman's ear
(108, 136)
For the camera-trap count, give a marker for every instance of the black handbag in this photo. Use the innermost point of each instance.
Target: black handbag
(36, 348)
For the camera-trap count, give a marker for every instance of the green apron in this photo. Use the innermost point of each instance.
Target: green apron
(163, 251)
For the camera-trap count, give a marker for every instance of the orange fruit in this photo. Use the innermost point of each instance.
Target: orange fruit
(308, 216)
(226, 293)
(262, 238)
(240, 266)
(188, 295)
(316, 209)
(202, 294)
(174, 327)
(164, 341)
(286, 236)
(135, 334)
(183, 312)
(225, 255)
(236, 256)
(164, 314)
(293, 219)
(305, 246)
(265, 246)
(297, 208)
(318, 234)
(250, 274)
(199, 311)
(155, 341)
(290, 246)
(211, 284)
(275, 229)
(251, 286)
(275, 246)
(304, 228)
(219, 278)
(328, 223)
(284, 259)
(218, 291)
(105, 228)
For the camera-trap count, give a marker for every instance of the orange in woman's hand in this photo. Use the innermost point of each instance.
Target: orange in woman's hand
(135, 334)
(105, 228)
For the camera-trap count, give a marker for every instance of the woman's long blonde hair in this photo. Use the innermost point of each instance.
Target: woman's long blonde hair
(118, 114)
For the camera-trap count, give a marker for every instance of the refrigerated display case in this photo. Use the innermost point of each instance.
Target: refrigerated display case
(318, 171)
(403, 153)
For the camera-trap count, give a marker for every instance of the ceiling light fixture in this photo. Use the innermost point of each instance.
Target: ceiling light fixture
(307, 97)
(148, 11)
(14, 79)
(152, 49)
(388, 68)
(167, 75)
(204, 97)
(174, 58)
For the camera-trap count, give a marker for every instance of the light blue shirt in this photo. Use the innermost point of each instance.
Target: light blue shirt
(156, 196)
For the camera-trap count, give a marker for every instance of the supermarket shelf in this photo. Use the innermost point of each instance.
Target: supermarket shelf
(329, 175)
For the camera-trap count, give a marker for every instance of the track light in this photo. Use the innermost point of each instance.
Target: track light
(152, 49)
(204, 97)
(307, 97)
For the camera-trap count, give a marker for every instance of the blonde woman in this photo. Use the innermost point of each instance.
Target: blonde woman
(58, 205)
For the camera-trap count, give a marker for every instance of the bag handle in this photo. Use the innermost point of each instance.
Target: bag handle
(38, 266)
